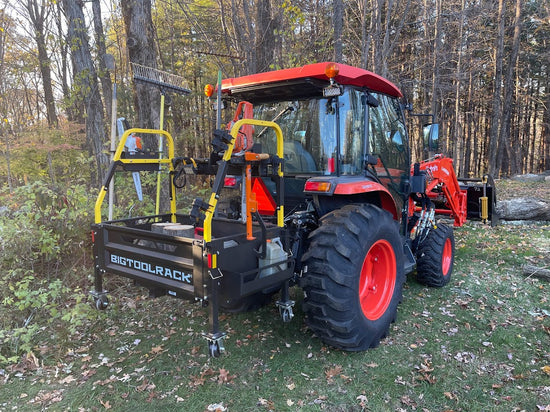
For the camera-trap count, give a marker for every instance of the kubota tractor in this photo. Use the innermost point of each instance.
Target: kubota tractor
(312, 186)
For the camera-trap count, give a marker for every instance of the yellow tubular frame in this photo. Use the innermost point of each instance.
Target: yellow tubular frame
(159, 161)
(209, 214)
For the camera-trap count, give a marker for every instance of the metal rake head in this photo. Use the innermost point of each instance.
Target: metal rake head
(160, 78)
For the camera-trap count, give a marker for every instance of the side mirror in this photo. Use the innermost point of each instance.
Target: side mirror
(431, 137)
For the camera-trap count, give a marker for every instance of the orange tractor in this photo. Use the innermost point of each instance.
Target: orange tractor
(312, 186)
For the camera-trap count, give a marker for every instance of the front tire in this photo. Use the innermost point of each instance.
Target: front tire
(435, 257)
(354, 277)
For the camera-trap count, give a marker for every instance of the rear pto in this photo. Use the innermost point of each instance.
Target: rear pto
(313, 187)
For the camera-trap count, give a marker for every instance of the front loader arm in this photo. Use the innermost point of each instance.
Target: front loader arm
(443, 187)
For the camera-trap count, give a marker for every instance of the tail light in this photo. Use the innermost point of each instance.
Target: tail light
(230, 182)
(316, 186)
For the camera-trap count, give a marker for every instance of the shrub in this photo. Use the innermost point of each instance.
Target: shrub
(43, 233)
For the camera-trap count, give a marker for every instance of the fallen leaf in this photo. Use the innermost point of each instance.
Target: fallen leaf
(363, 401)
(106, 404)
(407, 400)
(67, 379)
(152, 395)
(47, 398)
(332, 372)
(197, 381)
(546, 369)
(224, 376)
(216, 407)
(156, 349)
(146, 386)
(266, 403)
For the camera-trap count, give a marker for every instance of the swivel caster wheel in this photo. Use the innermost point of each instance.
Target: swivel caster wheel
(215, 343)
(101, 302)
(214, 349)
(287, 315)
(285, 310)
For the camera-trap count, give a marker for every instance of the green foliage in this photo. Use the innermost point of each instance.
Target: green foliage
(43, 233)
(44, 223)
(45, 249)
(47, 154)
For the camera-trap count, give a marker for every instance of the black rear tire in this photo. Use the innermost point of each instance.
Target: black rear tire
(354, 276)
(435, 257)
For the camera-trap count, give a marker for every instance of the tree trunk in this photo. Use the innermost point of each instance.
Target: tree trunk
(226, 35)
(459, 153)
(536, 272)
(523, 209)
(138, 22)
(338, 27)
(505, 131)
(85, 78)
(244, 35)
(436, 62)
(104, 75)
(265, 39)
(376, 34)
(38, 15)
(63, 66)
(545, 144)
(494, 162)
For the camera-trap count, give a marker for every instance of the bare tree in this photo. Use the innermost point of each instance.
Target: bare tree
(338, 28)
(514, 154)
(62, 63)
(105, 77)
(265, 38)
(85, 83)
(140, 36)
(494, 164)
(38, 13)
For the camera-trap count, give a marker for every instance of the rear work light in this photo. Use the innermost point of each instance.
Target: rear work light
(332, 91)
(314, 186)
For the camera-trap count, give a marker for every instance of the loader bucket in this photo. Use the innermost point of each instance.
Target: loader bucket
(481, 199)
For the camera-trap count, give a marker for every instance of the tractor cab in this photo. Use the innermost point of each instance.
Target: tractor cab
(343, 127)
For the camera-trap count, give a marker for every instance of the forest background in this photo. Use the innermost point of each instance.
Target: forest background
(481, 67)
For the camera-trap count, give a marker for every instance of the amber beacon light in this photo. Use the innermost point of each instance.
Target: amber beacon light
(332, 70)
(208, 90)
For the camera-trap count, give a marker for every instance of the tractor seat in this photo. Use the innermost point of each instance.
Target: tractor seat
(297, 158)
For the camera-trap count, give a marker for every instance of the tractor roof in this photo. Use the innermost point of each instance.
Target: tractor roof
(290, 82)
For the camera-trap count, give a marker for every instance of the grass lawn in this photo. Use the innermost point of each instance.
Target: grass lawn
(482, 343)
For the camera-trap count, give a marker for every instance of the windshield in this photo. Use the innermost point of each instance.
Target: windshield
(309, 132)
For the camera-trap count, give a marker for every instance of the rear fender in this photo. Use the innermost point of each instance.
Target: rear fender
(344, 190)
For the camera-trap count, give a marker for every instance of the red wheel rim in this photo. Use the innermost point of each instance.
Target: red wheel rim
(447, 257)
(377, 280)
